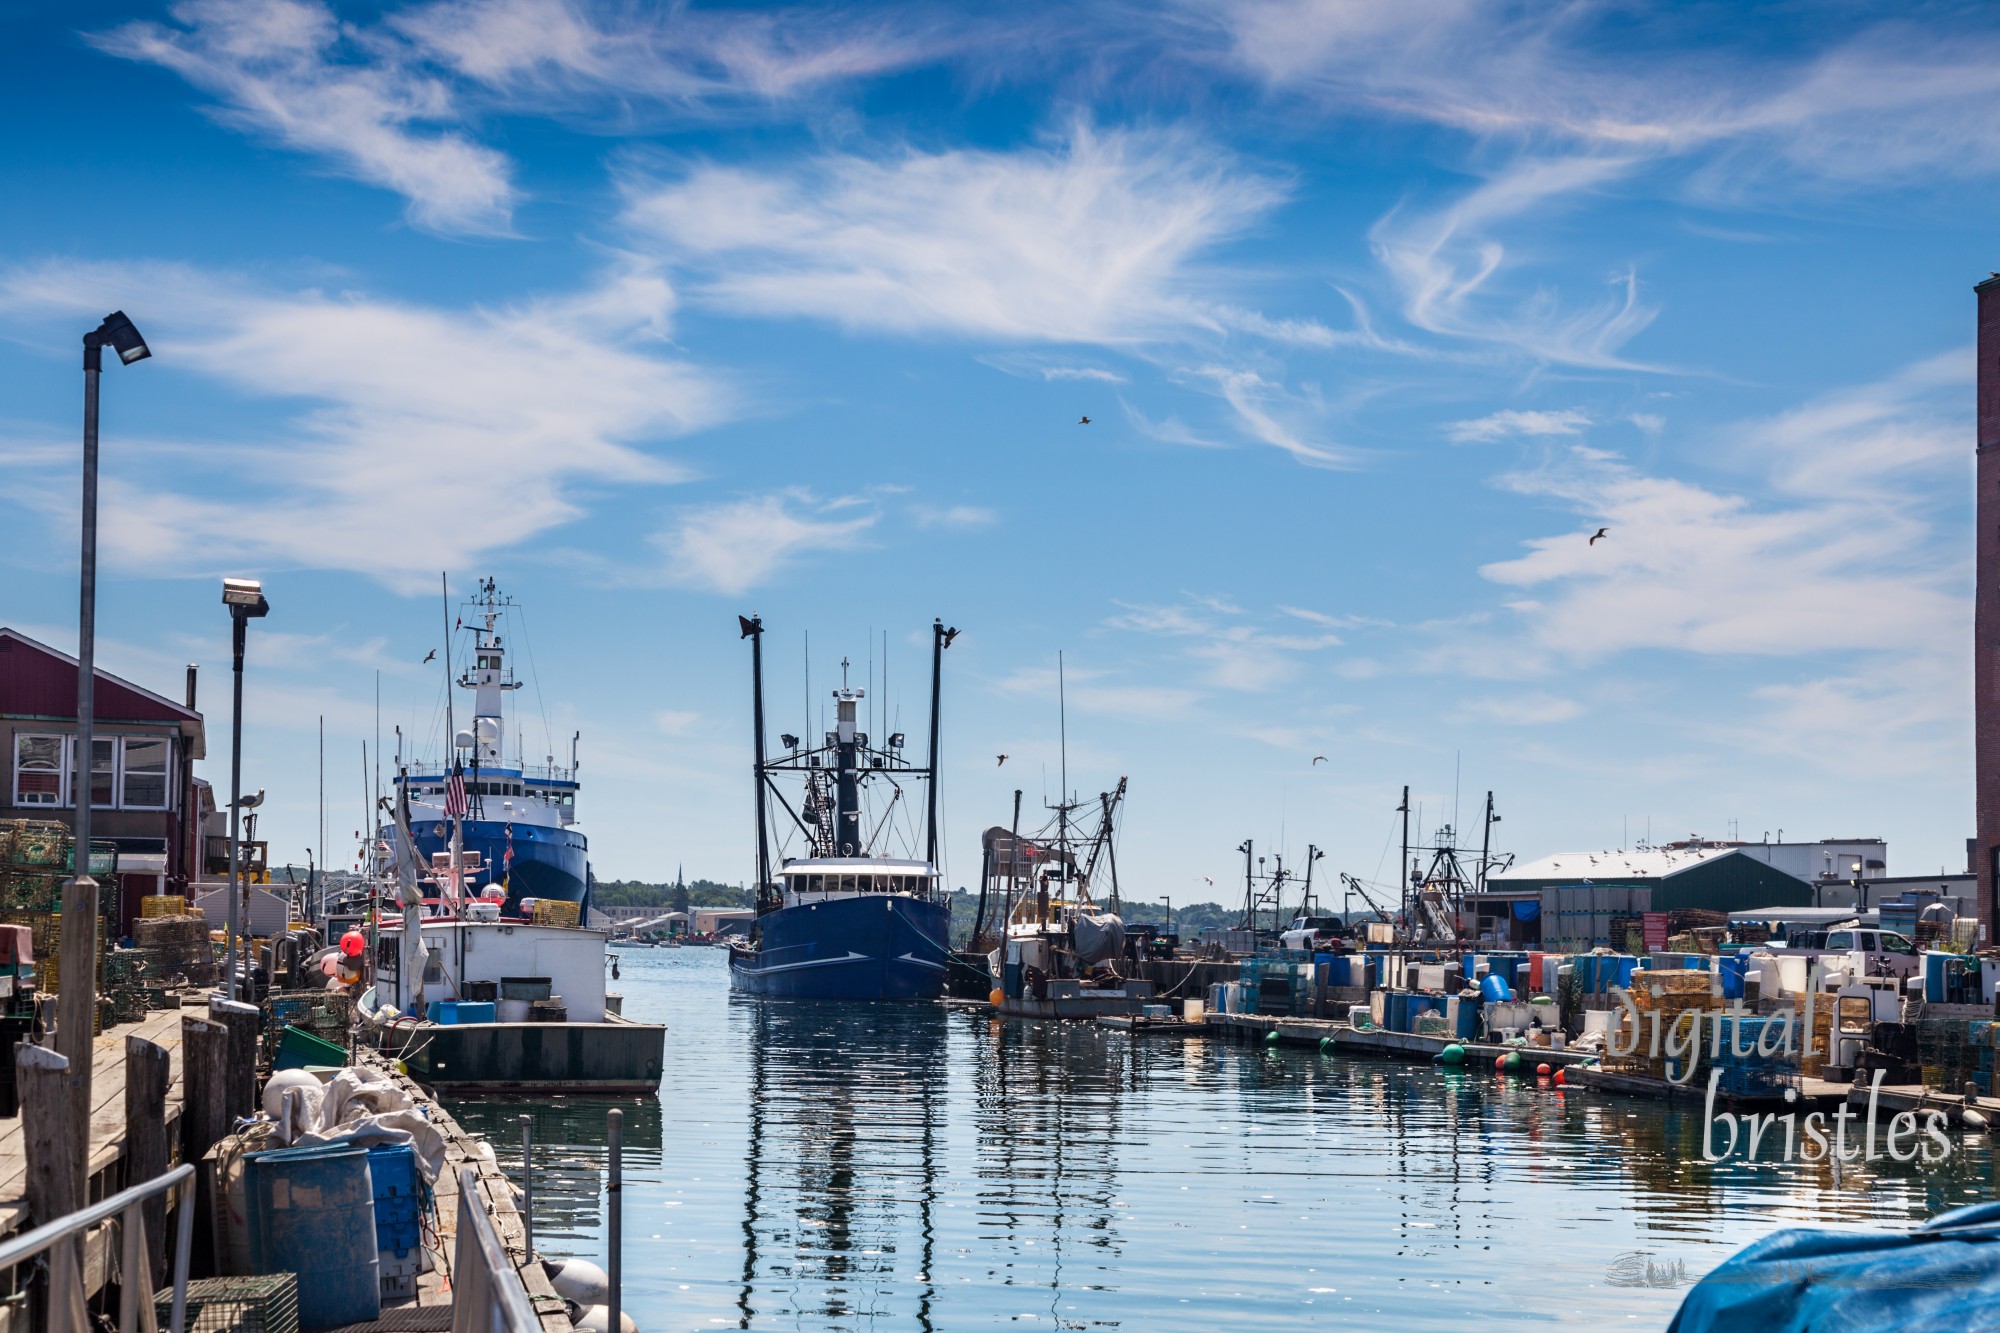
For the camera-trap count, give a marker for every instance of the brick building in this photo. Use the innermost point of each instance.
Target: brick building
(145, 797)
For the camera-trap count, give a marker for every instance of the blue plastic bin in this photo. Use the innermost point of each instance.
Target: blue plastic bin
(311, 1211)
(475, 1011)
(392, 1171)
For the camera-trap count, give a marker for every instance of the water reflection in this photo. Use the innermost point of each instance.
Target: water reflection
(907, 1167)
(572, 1153)
(845, 1111)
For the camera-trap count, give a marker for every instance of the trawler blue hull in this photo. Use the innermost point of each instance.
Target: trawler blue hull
(548, 862)
(872, 947)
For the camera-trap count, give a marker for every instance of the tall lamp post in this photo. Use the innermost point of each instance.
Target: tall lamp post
(245, 600)
(76, 1001)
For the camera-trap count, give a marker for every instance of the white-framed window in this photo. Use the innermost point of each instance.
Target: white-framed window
(143, 773)
(127, 772)
(41, 769)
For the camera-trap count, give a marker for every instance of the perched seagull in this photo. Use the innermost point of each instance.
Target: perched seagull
(251, 802)
(1319, 759)
(1083, 421)
(1601, 532)
(428, 657)
(1002, 760)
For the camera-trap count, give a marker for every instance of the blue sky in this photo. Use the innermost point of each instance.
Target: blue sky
(659, 314)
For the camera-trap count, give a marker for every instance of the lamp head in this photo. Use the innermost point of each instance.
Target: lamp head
(245, 597)
(123, 338)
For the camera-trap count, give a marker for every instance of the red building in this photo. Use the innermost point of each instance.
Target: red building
(144, 796)
(1986, 610)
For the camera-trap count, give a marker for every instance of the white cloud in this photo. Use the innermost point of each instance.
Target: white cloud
(675, 721)
(1229, 649)
(291, 70)
(578, 55)
(1838, 554)
(1524, 710)
(408, 409)
(958, 518)
(1503, 425)
(1091, 692)
(1091, 239)
(737, 545)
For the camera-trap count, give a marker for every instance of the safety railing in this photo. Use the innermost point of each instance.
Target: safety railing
(135, 1287)
(487, 1295)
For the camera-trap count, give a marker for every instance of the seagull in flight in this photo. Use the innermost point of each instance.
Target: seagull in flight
(428, 657)
(1600, 533)
(1083, 421)
(1319, 759)
(1002, 760)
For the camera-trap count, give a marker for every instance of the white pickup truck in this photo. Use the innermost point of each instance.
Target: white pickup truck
(1869, 952)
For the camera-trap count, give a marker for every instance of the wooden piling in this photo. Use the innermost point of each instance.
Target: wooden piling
(241, 1081)
(48, 1128)
(147, 1073)
(204, 1086)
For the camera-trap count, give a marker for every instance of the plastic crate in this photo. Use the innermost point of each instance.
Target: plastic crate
(399, 1198)
(162, 904)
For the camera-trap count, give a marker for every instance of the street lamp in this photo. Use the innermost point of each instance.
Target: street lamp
(245, 600)
(75, 1002)
(1168, 899)
(1860, 890)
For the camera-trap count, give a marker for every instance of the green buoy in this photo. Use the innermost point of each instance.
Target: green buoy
(1453, 1054)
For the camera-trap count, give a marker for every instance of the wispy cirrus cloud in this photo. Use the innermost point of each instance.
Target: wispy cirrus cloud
(1512, 423)
(1089, 690)
(1095, 237)
(735, 545)
(1834, 557)
(554, 396)
(290, 70)
(1230, 647)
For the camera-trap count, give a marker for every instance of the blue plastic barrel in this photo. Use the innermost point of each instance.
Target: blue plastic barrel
(1934, 977)
(442, 1011)
(311, 1211)
(1734, 969)
(1494, 988)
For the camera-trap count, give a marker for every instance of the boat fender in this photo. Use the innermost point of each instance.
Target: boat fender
(1975, 1120)
(274, 1090)
(1272, 1035)
(1541, 1071)
(995, 996)
(1499, 1062)
(1325, 1042)
(1560, 1081)
(1511, 1060)
(597, 1319)
(578, 1280)
(1453, 1054)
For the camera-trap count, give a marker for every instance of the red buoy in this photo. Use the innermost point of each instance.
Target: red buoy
(1542, 1070)
(1560, 1080)
(353, 943)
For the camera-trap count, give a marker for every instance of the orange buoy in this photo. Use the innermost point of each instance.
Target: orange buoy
(994, 997)
(1500, 1061)
(1542, 1070)
(1560, 1080)
(353, 943)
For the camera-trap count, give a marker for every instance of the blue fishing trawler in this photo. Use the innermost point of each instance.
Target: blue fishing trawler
(844, 921)
(518, 821)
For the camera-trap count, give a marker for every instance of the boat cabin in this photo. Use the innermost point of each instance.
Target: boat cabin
(819, 879)
(569, 959)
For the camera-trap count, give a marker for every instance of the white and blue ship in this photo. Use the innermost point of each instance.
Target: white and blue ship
(519, 820)
(844, 921)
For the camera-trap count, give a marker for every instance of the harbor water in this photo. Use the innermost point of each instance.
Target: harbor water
(902, 1166)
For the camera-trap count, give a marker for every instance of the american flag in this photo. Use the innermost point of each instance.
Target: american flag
(455, 804)
(507, 858)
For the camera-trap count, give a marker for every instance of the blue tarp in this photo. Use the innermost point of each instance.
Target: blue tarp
(1945, 1275)
(1525, 911)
